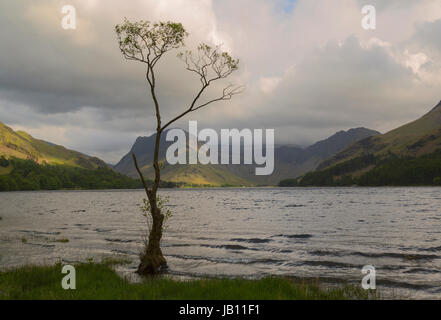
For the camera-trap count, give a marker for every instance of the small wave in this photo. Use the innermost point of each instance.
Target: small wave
(281, 250)
(234, 247)
(227, 246)
(431, 249)
(229, 260)
(25, 231)
(424, 210)
(41, 245)
(252, 240)
(295, 236)
(128, 252)
(295, 206)
(423, 271)
(103, 230)
(56, 233)
(119, 240)
(330, 264)
(212, 246)
(178, 245)
(403, 256)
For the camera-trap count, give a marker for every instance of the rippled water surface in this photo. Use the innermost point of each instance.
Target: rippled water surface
(321, 232)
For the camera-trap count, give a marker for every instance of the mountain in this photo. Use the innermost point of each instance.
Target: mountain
(143, 149)
(21, 145)
(407, 156)
(289, 162)
(215, 175)
(292, 162)
(417, 138)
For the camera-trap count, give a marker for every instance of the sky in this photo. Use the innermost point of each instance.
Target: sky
(308, 66)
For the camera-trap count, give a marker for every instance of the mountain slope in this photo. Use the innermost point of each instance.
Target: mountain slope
(420, 137)
(143, 149)
(289, 162)
(292, 162)
(215, 175)
(21, 145)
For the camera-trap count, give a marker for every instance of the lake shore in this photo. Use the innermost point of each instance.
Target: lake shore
(96, 281)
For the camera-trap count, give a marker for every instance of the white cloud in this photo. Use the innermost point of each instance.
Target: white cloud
(268, 85)
(415, 61)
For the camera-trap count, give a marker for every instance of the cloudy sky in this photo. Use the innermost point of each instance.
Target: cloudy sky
(309, 67)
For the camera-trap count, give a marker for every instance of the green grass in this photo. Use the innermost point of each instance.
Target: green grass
(100, 281)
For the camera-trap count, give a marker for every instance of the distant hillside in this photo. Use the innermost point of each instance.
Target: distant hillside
(372, 171)
(27, 175)
(292, 162)
(414, 139)
(289, 162)
(21, 145)
(408, 155)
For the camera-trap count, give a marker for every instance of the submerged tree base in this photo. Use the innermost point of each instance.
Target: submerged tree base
(152, 265)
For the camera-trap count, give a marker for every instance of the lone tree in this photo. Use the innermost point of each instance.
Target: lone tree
(147, 43)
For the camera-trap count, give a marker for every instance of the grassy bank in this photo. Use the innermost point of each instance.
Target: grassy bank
(99, 281)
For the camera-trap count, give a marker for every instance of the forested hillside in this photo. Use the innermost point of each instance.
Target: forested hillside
(18, 175)
(391, 171)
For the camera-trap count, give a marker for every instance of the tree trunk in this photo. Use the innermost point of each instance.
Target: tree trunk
(152, 259)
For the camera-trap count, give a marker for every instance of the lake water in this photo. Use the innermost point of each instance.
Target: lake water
(327, 233)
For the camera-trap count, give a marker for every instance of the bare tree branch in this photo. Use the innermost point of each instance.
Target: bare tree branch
(210, 65)
(140, 173)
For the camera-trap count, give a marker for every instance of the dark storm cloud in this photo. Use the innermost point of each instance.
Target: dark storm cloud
(54, 73)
